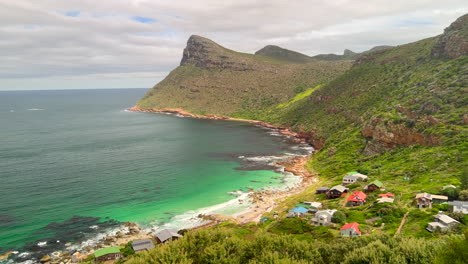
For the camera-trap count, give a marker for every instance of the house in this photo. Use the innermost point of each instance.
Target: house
(442, 222)
(314, 206)
(142, 244)
(337, 191)
(264, 219)
(373, 186)
(385, 200)
(167, 235)
(387, 195)
(357, 198)
(322, 190)
(353, 177)
(109, 253)
(350, 230)
(427, 199)
(459, 206)
(297, 212)
(323, 217)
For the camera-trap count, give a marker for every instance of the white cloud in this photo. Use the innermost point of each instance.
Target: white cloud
(51, 42)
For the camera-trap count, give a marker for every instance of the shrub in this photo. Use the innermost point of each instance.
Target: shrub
(338, 217)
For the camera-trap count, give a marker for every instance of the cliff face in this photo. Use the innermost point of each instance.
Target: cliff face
(454, 42)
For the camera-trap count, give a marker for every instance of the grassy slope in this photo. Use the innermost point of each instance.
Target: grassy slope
(284, 54)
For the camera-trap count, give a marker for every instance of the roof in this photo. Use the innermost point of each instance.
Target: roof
(385, 200)
(445, 218)
(423, 195)
(459, 203)
(105, 251)
(354, 226)
(314, 204)
(167, 234)
(323, 189)
(351, 177)
(377, 183)
(328, 211)
(142, 244)
(263, 219)
(439, 197)
(355, 173)
(339, 188)
(357, 196)
(449, 186)
(299, 210)
(386, 195)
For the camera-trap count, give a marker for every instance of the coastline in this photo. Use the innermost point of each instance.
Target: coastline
(262, 201)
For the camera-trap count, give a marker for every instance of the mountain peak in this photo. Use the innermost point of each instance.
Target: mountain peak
(283, 54)
(453, 43)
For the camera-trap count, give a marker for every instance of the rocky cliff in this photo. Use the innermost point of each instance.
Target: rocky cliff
(454, 42)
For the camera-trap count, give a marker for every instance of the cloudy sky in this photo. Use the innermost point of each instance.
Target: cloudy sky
(67, 44)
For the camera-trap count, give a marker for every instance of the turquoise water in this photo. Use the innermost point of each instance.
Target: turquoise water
(73, 159)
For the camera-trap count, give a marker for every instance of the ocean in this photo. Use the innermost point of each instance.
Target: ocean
(74, 164)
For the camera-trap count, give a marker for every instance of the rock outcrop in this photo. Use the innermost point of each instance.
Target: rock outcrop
(454, 42)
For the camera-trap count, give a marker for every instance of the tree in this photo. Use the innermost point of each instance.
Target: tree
(463, 195)
(464, 179)
(452, 193)
(338, 217)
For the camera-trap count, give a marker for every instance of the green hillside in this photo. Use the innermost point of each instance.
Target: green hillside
(284, 54)
(214, 80)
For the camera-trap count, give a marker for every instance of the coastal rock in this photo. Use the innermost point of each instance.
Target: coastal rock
(45, 259)
(6, 255)
(453, 43)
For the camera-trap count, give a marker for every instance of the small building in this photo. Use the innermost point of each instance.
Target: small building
(109, 253)
(314, 206)
(167, 235)
(353, 177)
(142, 244)
(297, 212)
(264, 219)
(357, 198)
(386, 195)
(373, 186)
(323, 217)
(350, 230)
(385, 200)
(459, 206)
(426, 199)
(337, 191)
(322, 190)
(442, 223)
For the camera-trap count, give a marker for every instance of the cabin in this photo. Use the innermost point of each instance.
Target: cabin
(426, 199)
(297, 212)
(337, 191)
(442, 223)
(386, 195)
(167, 235)
(385, 200)
(353, 177)
(323, 217)
(357, 198)
(322, 190)
(459, 206)
(350, 230)
(374, 186)
(109, 253)
(264, 219)
(142, 244)
(314, 206)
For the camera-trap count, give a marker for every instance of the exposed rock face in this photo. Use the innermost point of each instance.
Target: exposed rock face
(384, 137)
(454, 42)
(206, 54)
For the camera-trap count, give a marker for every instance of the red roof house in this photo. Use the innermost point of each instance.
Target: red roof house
(350, 230)
(386, 195)
(357, 198)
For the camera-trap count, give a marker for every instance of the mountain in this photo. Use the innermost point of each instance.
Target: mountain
(348, 54)
(215, 80)
(284, 54)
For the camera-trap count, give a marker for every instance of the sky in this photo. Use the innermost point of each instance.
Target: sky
(67, 44)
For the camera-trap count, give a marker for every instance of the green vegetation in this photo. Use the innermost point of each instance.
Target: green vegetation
(299, 96)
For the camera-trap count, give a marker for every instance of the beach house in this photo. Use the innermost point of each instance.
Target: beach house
(322, 190)
(337, 191)
(297, 212)
(350, 230)
(426, 199)
(167, 235)
(442, 223)
(459, 206)
(109, 253)
(356, 198)
(373, 186)
(323, 217)
(353, 177)
(142, 244)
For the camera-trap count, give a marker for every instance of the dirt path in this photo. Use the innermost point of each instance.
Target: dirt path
(401, 224)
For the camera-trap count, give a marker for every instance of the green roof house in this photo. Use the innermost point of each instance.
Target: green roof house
(109, 253)
(375, 185)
